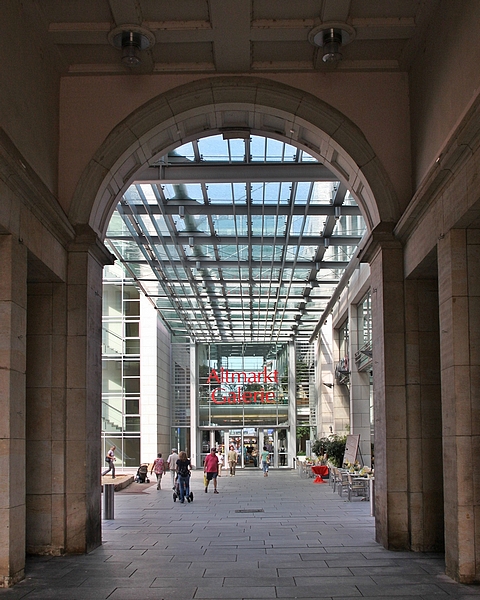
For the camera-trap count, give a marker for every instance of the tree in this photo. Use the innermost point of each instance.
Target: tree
(303, 433)
(333, 446)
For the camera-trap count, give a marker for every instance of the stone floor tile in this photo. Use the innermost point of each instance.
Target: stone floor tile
(308, 543)
(226, 593)
(338, 590)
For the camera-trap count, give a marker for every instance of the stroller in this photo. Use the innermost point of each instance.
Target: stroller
(142, 473)
(176, 492)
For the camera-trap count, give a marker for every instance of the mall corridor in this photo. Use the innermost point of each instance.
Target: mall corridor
(261, 537)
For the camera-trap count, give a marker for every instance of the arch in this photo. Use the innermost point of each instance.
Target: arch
(214, 105)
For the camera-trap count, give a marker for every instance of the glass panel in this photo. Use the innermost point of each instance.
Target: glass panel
(132, 308)
(132, 406)
(131, 452)
(132, 346)
(132, 329)
(213, 147)
(181, 439)
(220, 193)
(185, 150)
(111, 376)
(132, 423)
(131, 385)
(112, 339)
(112, 300)
(282, 447)
(302, 192)
(131, 368)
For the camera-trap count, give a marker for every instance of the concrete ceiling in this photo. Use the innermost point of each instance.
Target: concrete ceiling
(230, 36)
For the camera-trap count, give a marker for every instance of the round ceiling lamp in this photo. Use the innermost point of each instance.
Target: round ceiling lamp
(131, 40)
(331, 37)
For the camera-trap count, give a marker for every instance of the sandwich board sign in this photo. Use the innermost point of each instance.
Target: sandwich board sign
(351, 448)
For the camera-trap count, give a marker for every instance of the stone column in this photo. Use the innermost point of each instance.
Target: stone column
(86, 258)
(359, 393)
(325, 380)
(45, 462)
(425, 464)
(13, 328)
(459, 299)
(390, 410)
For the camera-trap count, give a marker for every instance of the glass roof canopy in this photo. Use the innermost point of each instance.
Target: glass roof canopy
(237, 240)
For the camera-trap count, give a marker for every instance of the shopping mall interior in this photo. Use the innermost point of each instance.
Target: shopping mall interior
(226, 222)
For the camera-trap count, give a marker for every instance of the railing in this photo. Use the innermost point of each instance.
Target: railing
(342, 372)
(112, 418)
(363, 357)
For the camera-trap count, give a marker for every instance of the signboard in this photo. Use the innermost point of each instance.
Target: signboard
(351, 449)
(240, 387)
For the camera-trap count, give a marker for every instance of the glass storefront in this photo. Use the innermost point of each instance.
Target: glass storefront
(243, 400)
(243, 385)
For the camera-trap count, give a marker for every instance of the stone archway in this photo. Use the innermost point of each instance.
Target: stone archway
(210, 106)
(213, 105)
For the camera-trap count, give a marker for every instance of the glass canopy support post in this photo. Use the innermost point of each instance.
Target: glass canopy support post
(194, 451)
(292, 406)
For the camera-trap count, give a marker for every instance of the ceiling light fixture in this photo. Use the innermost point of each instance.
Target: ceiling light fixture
(331, 37)
(132, 40)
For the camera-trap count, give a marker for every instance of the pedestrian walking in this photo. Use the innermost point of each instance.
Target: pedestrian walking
(159, 468)
(172, 465)
(110, 460)
(210, 469)
(220, 462)
(265, 458)
(232, 460)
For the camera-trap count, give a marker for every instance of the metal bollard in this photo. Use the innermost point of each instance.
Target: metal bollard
(108, 504)
(372, 497)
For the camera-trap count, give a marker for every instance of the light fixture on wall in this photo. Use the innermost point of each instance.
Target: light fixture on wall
(331, 37)
(132, 40)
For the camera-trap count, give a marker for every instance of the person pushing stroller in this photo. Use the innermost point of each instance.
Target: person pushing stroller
(183, 478)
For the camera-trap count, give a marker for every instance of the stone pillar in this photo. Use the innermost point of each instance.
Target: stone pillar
(359, 393)
(84, 391)
(425, 464)
(390, 409)
(459, 299)
(45, 462)
(325, 380)
(13, 327)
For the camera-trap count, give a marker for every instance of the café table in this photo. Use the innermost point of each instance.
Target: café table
(320, 471)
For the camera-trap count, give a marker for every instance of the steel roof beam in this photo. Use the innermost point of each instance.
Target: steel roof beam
(193, 208)
(223, 240)
(240, 172)
(206, 263)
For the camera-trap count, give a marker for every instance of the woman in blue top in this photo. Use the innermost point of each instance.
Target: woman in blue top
(265, 458)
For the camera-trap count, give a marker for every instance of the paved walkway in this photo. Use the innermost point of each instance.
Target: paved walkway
(306, 542)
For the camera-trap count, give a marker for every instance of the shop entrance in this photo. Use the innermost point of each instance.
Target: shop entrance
(248, 443)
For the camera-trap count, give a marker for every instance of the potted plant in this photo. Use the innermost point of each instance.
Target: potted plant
(333, 447)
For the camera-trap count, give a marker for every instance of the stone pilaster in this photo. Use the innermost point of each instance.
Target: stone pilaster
(459, 300)
(45, 464)
(83, 394)
(390, 409)
(13, 328)
(424, 426)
